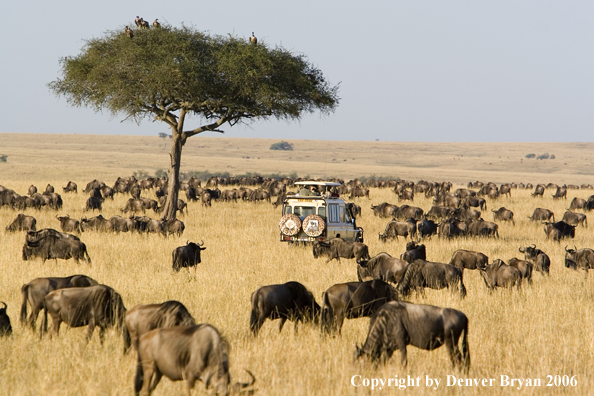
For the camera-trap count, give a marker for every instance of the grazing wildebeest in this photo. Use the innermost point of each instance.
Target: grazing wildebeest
(34, 292)
(475, 202)
(92, 306)
(382, 266)
(482, 228)
(69, 225)
(575, 219)
(398, 324)
(468, 259)
(22, 223)
(93, 203)
(52, 246)
(407, 212)
(353, 300)
(499, 274)
(503, 214)
(583, 258)
(187, 256)
(413, 252)
(559, 230)
(173, 226)
(70, 187)
(338, 247)
(420, 274)
(577, 203)
(32, 190)
(560, 193)
(539, 190)
(134, 205)
(290, 300)
(359, 191)
(399, 228)
(524, 266)
(185, 353)
(540, 259)
(120, 224)
(5, 326)
(541, 214)
(451, 228)
(144, 318)
(426, 228)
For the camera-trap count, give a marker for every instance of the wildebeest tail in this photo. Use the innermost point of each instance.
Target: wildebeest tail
(465, 348)
(254, 315)
(86, 255)
(25, 292)
(128, 341)
(327, 315)
(139, 379)
(43, 327)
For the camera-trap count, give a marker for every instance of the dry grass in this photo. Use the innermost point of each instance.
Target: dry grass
(545, 330)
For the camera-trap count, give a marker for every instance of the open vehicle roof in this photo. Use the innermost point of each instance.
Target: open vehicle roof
(317, 183)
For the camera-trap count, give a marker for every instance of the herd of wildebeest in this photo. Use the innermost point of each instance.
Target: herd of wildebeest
(166, 337)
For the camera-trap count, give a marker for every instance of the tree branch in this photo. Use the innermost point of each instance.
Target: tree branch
(209, 128)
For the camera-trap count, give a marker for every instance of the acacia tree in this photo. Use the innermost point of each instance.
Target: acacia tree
(170, 74)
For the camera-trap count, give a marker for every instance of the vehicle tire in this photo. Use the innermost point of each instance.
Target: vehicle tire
(313, 225)
(289, 224)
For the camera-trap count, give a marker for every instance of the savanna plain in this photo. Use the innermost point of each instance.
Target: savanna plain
(544, 330)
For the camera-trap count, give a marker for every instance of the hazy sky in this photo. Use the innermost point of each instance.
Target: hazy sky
(408, 70)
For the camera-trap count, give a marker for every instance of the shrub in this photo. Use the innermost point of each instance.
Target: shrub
(3, 158)
(531, 155)
(141, 174)
(286, 146)
(543, 156)
(160, 173)
(552, 156)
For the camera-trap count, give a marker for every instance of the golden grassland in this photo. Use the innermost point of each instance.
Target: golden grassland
(544, 330)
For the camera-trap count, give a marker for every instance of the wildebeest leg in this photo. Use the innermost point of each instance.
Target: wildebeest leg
(90, 329)
(339, 321)
(190, 384)
(152, 376)
(402, 347)
(451, 343)
(55, 326)
(281, 324)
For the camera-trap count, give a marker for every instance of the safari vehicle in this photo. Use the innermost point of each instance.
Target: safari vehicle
(315, 218)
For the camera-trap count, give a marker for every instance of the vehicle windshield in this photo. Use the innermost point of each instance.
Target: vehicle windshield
(304, 211)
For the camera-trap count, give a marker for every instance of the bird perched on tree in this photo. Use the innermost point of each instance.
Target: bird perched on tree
(156, 24)
(144, 24)
(129, 32)
(253, 39)
(137, 21)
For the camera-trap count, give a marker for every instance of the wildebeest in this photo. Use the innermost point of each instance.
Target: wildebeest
(575, 219)
(22, 223)
(173, 226)
(475, 202)
(420, 274)
(34, 292)
(54, 246)
(5, 326)
(92, 306)
(499, 274)
(399, 228)
(93, 203)
(413, 252)
(560, 193)
(97, 223)
(539, 190)
(69, 225)
(120, 224)
(70, 187)
(482, 228)
(577, 203)
(382, 266)
(338, 247)
(32, 190)
(353, 300)
(540, 259)
(503, 214)
(468, 259)
(426, 227)
(187, 353)
(398, 324)
(187, 256)
(134, 205)
(407, 212)
(441, 212)
(541, 214)
(144, 318)
(353, 209)
(524, 266)
(359, 191)
(290, 301)
(559, 230)
(451, 228)
(384, 209)
(582, 258)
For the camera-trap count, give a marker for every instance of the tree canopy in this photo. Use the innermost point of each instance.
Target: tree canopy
(168, 73)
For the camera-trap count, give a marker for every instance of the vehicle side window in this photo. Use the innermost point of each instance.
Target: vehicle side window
(288, 209)
(333, 213)
(348, 217)
(342, 219)
(322, 212)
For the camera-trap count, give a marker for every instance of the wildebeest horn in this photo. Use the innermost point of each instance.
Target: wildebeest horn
(57, 216)
(5, 306)
(241, 385)
(566, 248)
(520, 249)
(533, 245)
(202, 244)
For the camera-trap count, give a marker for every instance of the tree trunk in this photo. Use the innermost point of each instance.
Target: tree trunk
(170, 210)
